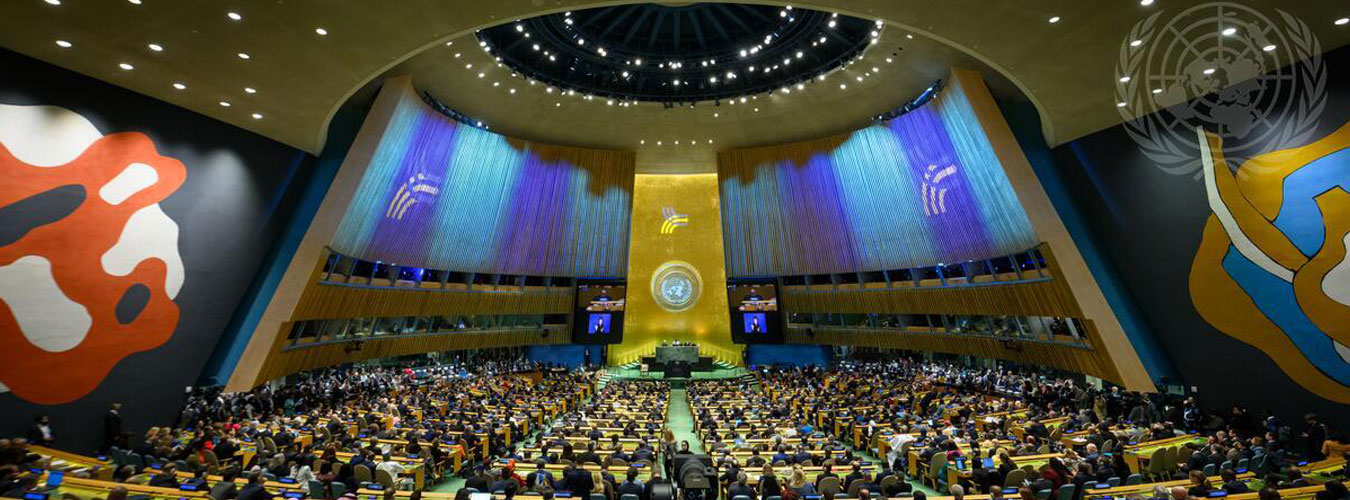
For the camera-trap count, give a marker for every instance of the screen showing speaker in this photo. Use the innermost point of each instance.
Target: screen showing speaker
(755, 318)
(598, 318)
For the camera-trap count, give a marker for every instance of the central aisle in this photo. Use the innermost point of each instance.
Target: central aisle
(680, 420)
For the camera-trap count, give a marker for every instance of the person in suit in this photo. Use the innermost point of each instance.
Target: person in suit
(225, 489)
(254, 490)
(741, 488)
(588, 456)
(41, 433)
(167, 477)
(112, 427)
(631, 485)
(478, 481)
(578, 481)
(855, 475)
(1231, 483)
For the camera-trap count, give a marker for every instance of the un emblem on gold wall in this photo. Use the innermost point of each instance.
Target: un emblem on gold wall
(676, 286)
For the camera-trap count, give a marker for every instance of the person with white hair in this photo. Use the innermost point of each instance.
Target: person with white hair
(958, 492)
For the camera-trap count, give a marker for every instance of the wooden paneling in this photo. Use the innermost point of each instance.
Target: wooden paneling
(1049, 297)
(1039, 298)
(285, 362)
(327, 301)
(1090, 361)
(334, 301)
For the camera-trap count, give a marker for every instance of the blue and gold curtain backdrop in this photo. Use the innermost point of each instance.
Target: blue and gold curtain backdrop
(922, 189)
(444, 195)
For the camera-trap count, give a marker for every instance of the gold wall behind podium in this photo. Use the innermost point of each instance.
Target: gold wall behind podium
(677, 222)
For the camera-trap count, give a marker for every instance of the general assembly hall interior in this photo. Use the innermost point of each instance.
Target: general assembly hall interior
(677, 250)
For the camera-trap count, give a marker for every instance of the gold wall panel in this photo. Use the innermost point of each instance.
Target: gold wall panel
(698, 243)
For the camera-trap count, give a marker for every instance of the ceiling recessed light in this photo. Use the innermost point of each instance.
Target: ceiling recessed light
(1208, 71)
(156, 47)
(842, 86)
(225, 104)
(1136, 43)
(179, 86)
(233, 16)
(1054, 20)
(1121, 104)
(54, 2)
(126, 66)
(135, 2)
(1343, 21)
(1124, 79)
(1229, 31)
(243, 55)
(250, 90)
(64, 44)
(321, 31)
(1269, 48)
(257, 116)
(1146, 3)
(1157, 91)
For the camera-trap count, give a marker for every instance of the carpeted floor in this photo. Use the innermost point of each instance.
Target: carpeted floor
(680, 420)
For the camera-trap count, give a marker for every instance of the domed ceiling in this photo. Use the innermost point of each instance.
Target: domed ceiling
(676, 54)
(303, 59)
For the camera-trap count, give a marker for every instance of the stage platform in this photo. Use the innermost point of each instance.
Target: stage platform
(632, 371)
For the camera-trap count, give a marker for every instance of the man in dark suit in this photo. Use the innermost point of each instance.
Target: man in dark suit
(827, 471)
(855, 475)
(112, 427)
(41, 432)
(1231, 483)
(588, 456)
(740, 488)
(167, 477)
(578, 481)
(225, 489)
(631, 486)
(255, 490)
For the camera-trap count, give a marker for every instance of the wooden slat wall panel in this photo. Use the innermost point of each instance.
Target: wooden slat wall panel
(285, 362)
(1038, 298)
(1041, 298)
(1022, 299)
(336, 301)
(1071, 359)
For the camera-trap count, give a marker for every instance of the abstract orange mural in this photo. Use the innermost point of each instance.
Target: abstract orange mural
(61, 282)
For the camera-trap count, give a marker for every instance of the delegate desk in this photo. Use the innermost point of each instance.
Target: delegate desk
(1137, 455)
(70, 463)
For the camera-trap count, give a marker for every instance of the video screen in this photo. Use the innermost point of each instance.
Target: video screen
(755, 318)
(601, 297)
(598, 318)
(598, 324)
(754, 323)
